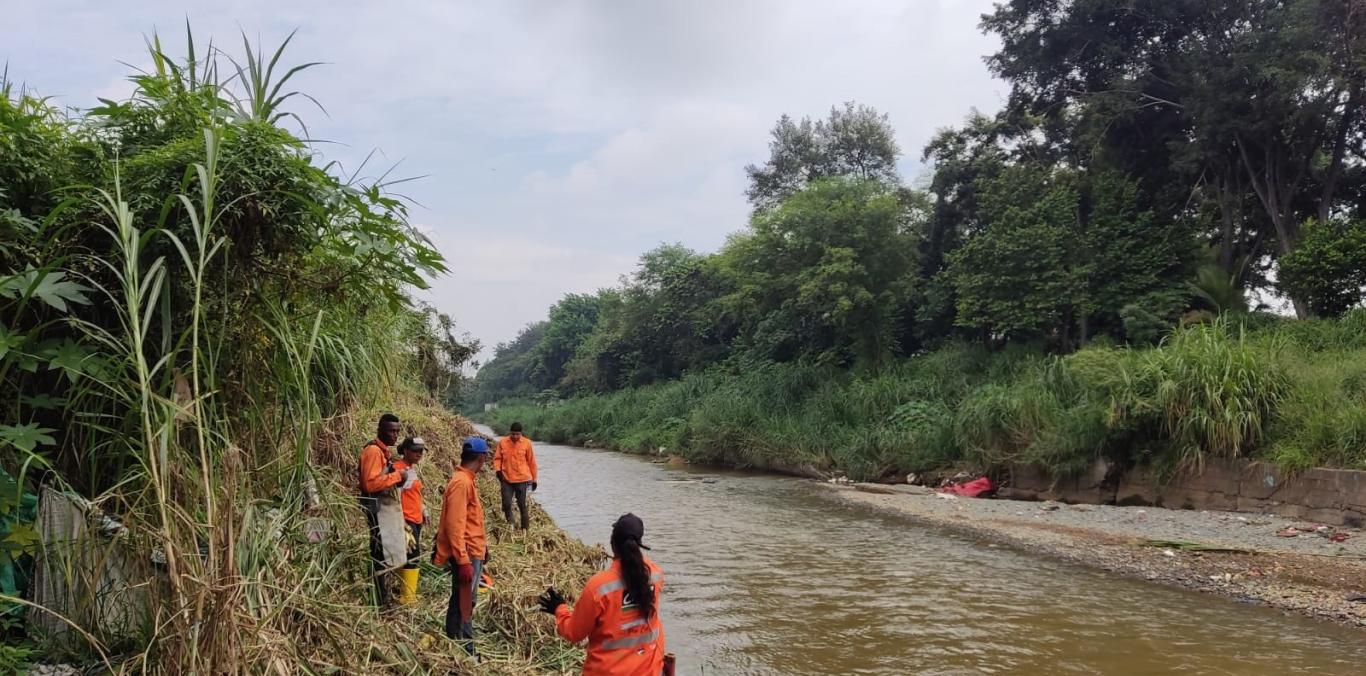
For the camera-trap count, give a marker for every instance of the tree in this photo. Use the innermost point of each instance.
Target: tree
(856, 141)
(1253, 103)
(1060, 254)
(508, 373)
(1328, 269)
(571, 321)
(661, 322)
(1018, 277)
(826, 275)
(441, 357)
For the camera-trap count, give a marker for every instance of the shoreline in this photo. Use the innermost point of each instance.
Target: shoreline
(1307, 574)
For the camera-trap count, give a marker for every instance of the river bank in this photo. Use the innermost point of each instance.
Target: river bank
(1306, 573)
(513, 638)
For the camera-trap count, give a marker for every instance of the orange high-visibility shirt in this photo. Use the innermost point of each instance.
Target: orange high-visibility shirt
(373, 478)
(620, 641)
(460, 532)
(411, 497)
(516, 460)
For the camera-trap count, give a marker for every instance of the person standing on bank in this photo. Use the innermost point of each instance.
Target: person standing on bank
(461, 542)
(515, 464)
(415, 514)
(378, 475)
(618, 611)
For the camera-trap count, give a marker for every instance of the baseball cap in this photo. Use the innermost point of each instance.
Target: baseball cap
(629, 527)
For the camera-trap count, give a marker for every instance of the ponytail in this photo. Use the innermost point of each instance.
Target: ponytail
(635, 574)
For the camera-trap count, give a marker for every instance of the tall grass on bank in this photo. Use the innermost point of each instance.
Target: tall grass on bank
(186, 299)
(1287, 391)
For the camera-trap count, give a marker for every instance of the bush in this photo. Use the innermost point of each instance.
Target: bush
(1210, 393)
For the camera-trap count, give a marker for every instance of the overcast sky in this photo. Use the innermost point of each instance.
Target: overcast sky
(559, 139)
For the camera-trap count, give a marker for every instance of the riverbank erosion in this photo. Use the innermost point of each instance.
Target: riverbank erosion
(1248, 557)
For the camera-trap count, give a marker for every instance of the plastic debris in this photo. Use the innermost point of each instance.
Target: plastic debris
(975, 488)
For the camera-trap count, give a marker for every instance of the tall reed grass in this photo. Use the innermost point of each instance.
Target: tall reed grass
(189, 329)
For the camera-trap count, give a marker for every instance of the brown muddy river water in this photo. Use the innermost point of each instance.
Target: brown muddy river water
(766, 575)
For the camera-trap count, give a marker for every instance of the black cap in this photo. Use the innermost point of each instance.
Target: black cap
(629, 527)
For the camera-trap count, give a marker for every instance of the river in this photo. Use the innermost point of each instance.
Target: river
(768, 575)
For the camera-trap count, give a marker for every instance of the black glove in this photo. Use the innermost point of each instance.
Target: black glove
(500, 477)
(488, 556)
(533, 487)
(551, 600)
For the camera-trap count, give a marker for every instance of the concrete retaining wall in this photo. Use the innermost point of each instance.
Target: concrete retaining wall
(1330, 496)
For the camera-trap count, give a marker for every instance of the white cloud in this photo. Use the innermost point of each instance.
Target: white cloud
(500, 282)
(562, 139)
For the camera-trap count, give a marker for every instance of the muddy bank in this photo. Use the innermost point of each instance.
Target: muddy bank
(1309, 573)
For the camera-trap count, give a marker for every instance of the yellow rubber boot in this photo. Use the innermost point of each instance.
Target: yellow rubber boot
(407, 592)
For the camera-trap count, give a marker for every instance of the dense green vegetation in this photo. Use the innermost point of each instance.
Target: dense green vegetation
(187, 297)
(1158, 165)
(1293, 392)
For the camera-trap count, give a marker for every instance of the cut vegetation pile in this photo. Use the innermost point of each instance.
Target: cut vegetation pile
(513, 636)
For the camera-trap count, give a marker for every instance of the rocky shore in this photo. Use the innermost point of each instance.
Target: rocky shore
(1294, 565)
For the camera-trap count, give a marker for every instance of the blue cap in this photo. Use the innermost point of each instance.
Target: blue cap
(475, 445)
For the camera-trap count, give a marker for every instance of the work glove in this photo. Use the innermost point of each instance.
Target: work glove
(551, 600)
(488, 556)
(501, 479)
(426, 517)
(409, 476)
(464, 573)
(533, 487)
(408, 536)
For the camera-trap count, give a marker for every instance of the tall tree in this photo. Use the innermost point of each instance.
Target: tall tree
(826, 275)
(663, 321)
(571, 321)
(855, 141)
(1261, 96)
(1059, 254)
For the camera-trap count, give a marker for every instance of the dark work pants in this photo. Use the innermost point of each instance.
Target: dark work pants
(455, 628)
(517, 490)
(377, 564)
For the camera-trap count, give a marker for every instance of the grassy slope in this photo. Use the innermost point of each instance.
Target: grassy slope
(1293, 392)
(514, 637)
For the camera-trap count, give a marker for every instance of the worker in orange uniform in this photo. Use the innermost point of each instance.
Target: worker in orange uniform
(377, 474)
(618, 611)
(414, 512)
(461, 543)
(515, 464)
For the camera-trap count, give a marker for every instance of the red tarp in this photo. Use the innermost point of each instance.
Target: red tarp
(971, 489)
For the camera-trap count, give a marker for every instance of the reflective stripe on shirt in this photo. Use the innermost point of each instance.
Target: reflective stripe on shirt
(631, 641)
(616, 584)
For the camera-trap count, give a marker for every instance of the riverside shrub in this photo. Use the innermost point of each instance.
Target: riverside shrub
(1218, 389)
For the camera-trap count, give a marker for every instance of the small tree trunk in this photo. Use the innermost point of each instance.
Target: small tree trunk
(1330, 183)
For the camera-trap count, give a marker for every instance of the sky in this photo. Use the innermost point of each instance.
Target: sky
(555, 141)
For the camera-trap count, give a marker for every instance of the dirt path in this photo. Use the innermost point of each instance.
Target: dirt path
(1308, 573)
